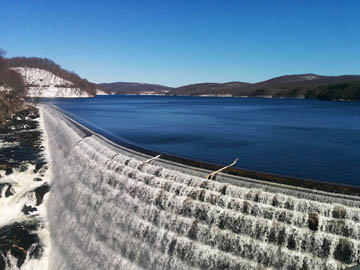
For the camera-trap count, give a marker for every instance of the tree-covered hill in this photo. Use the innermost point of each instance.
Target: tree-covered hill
(12, 90)
(132, 88)
(295, 86)
(341, 91)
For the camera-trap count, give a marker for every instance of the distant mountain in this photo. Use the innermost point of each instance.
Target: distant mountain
(297, 86)
(212, 89)
(346, 87)
(133, 88)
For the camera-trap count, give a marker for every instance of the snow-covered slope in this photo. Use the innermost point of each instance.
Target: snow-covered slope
(4, 89)
(42, 83)
(101, 93)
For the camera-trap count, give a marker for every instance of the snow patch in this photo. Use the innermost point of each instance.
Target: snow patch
(42, 83)
(101, 93)
(309, 77)
(54, 91)
(5, 89)
(35, 76)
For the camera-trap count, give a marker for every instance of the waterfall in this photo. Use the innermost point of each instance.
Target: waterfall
(110, 210)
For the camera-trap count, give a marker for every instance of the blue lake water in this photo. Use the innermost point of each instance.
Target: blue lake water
(302, 138)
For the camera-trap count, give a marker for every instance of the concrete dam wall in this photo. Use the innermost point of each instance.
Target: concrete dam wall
(111, 210)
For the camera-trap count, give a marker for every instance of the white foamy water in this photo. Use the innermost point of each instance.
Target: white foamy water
(23, 185)
(110, 210)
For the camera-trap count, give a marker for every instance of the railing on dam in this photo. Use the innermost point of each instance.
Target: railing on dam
(111, 210)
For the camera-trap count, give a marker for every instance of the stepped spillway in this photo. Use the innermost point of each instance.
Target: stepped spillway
(111, 210)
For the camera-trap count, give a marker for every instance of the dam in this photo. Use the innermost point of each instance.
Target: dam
(111, 207)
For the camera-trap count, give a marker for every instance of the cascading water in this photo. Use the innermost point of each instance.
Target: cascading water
(110, 210)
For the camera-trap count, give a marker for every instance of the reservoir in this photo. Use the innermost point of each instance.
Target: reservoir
(300, 138)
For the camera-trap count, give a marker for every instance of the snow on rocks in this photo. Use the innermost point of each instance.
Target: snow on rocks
(101, 93)
(42, 83)
(4, 89)
(24, 186)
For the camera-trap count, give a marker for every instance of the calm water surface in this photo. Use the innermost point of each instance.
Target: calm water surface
(302, 138)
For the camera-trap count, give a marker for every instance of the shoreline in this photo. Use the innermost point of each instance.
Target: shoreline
(244, 97)
(207, 96)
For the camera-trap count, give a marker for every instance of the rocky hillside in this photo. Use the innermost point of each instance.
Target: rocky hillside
(44, 78)
(43, 83)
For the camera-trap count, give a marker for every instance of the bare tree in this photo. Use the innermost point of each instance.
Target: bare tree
(2, 62)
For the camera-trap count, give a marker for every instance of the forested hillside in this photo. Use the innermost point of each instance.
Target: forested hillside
(30, 76)
(341, 91)
(295, 86)
(133, 88)
(12, 90)
(346, 87)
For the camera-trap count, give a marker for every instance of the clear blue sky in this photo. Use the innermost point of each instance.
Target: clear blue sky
(181, 42)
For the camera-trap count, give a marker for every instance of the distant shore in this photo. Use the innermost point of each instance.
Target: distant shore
(231, 96)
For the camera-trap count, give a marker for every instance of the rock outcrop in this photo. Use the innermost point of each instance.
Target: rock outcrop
(42, 83)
